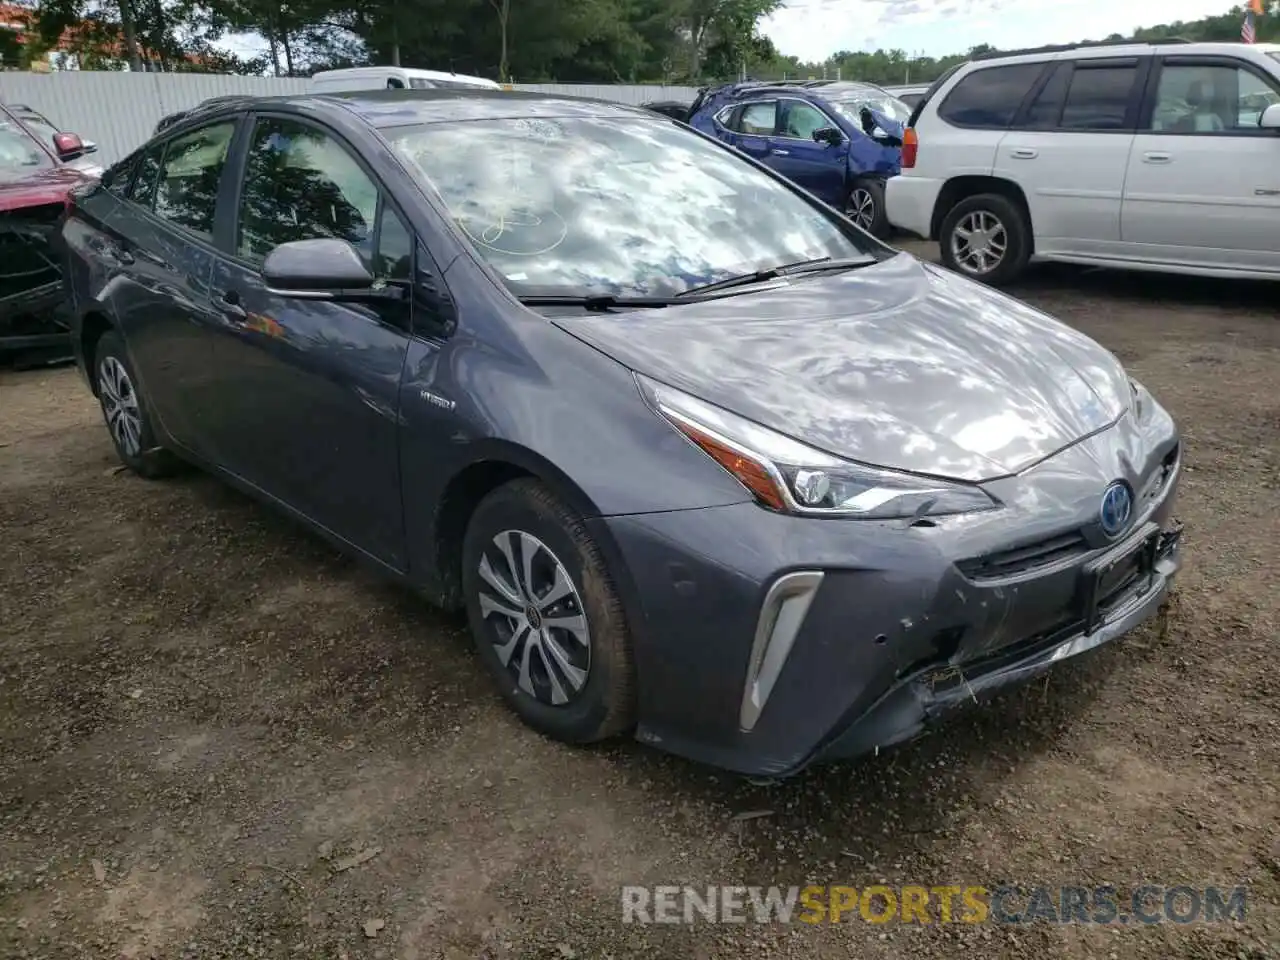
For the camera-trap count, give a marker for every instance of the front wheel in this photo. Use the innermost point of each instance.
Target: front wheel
(125, 411)
(986, 237)
(545, 616)
(867, 209)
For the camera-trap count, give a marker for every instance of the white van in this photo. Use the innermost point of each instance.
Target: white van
(397, 78)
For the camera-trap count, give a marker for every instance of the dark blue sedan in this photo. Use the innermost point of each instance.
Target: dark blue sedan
(701, 459)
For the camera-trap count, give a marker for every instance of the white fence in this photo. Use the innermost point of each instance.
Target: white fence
(118, 111)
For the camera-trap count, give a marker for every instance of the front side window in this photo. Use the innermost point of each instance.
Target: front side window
(1098, 97)
(758, 119)
(20, 155)
(186, 192)
(989, 97)
(421, 83)
(1210, 98)
(301, 184)
(629, 207)
(801, 119)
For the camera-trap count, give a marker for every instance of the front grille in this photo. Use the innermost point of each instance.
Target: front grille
(1031, 556)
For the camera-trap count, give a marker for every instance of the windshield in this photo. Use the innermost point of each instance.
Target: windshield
(19, 153)
(891, 107)
(610, 206)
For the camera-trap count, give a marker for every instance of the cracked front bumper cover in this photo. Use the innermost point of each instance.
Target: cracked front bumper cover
(933, 695)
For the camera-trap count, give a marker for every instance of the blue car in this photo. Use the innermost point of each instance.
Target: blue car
(839, 141)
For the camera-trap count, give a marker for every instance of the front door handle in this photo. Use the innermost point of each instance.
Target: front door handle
(782, 153)
(1152, 157)
(230, 304)
(1023, 153)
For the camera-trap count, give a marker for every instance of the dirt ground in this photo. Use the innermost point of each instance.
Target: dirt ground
(220, 739)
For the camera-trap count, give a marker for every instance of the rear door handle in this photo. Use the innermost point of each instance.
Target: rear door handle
(1023, 153)
(230, 304)
(783, 153)
(1152, 157)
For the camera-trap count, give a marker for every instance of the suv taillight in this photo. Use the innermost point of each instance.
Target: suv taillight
(910, 144)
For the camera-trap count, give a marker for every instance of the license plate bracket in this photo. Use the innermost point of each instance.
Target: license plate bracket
(1135, 559)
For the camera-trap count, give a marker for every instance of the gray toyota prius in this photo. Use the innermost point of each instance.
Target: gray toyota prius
(702, 461)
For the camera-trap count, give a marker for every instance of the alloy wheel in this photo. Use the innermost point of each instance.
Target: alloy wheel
(120, 405)
(540, 630)
(979, 242)
(862, 206)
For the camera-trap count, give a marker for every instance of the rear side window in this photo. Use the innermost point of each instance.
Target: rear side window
(187, 192)
(1098, 97)
(759, 119)
(990, 97)
(394, 84)
(1046, 110)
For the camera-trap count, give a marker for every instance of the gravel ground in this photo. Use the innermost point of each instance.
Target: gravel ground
(220, 739)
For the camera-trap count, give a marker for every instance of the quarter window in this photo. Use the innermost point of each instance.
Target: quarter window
(1210, 98)
(187, 190)
(1098, 97)
(116, 179)
(990, 97)
(394, 258)
(143, 192)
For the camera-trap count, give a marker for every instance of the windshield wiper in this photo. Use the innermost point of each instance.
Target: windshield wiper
(599, 302)
(783, 270)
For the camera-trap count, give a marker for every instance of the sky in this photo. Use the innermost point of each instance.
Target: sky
(814, 29)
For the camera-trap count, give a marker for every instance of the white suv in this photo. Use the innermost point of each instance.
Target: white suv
(1153, 157)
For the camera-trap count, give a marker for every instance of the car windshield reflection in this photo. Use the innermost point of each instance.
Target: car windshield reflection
(632, 207)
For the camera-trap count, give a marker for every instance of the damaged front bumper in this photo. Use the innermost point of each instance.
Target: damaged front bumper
(1146, 563)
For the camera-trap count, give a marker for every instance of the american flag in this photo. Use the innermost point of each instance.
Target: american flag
(1247, 32)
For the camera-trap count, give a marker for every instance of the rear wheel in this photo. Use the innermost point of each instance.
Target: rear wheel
(986, 237)
(125, 411)
(545, 616)
(866, 207)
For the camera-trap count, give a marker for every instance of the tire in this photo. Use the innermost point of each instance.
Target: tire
(867, 208)
(530, 520)
(1002, 218)
(126, 412)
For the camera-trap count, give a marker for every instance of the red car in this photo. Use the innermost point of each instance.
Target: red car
(34, 186)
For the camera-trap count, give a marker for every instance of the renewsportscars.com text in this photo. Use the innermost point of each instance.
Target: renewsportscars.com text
(942, 904)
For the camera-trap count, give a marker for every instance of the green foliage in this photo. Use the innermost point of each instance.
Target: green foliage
(607, 41)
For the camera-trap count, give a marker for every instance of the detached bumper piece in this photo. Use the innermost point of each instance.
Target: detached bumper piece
(1118, 591)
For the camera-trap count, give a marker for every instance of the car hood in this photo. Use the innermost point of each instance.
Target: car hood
(898, 364)
(47, 185)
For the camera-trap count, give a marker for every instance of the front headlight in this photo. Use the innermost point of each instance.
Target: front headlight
(788, 476)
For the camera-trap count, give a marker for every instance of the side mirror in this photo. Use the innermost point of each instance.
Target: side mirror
(68, 145)
(828, 135)
(322, 269)
(1270, 119)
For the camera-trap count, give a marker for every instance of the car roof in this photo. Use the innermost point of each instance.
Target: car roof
(1119, 48)
(828, 90)
(393, 108)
